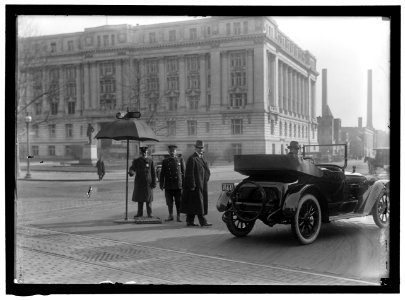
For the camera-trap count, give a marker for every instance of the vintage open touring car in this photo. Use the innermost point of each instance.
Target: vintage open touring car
(283, 189)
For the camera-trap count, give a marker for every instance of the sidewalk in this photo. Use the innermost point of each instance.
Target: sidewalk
(68, 174)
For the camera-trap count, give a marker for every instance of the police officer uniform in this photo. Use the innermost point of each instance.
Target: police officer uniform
(171, 180)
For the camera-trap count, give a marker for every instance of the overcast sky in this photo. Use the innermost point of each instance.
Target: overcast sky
(346, 46)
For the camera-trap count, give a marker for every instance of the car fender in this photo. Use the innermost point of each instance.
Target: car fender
(292, 197)
(372, 194)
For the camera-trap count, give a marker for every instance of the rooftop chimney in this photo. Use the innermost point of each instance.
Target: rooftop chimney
(324, 92)
(370, 99)
(360, 122)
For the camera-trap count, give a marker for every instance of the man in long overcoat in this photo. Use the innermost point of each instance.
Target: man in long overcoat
(145, 181)
(195, 193)
(171, 180)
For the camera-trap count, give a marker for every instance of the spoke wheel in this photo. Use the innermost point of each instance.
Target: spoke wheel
(306, 223)
(381, 211)
(236, 226)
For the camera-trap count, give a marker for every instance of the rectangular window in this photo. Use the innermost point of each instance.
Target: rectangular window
(172, 103)
(228, 28)
(68, 150)
(54, 108)
(193, 33)
(193, 64)
(207, 126)
(69, 130)
(238, 100)
(172, 65)
(112, 39)
(35, 128)
(245, 27)
(238, 79)
(107, 68)
(193, 82)
(281, 128)
(173, 83)
(237, 126)
(152, 37)
(98, 41)
(236, 149)
(51, 150)
(71, 107)
(172, 35)
(295, 130)
(208, 102)
(290, 129)
(71, 90)
(152, 83)
(152, 66)
(193, 102)
(238, 60)
(192, 127)
(53, 47)
(281, 148)
(70, 73)
(35, 150)
(171, 128)
(236, 28)
(272, 127)
(70, 45)
(105, 40)
(273, 148)
(208, 30)
(52, 130)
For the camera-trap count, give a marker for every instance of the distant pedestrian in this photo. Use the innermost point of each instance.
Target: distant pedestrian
(145, 181)
(100, 168)
(194, 200)
(171, 180)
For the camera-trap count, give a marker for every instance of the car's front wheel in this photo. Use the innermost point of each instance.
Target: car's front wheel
(236, 226)
(306, 222)
(381, 210)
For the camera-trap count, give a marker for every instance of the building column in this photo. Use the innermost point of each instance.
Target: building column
(215, 68)
(78, 88)
(306, 97)
(203, 84)
(313, 98)
(182, 80)
(118, 84)
(295, 92)
(86, 86)
(275, 81)
(280, 85)
(62, 91)
(224, 79)
(285, 89)
(162, 98)
(94, 87)
(290, 90)
(260, 79)
(249, 77)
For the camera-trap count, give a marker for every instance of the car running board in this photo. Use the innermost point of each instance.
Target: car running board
(346, 216)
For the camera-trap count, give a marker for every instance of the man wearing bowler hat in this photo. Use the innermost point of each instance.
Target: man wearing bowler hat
(145, 181)
(194, 200)
(171, 180)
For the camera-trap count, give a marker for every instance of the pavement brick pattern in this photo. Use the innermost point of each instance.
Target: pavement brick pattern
(45, 256)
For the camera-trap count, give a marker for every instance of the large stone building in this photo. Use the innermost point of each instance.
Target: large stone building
(238, 83)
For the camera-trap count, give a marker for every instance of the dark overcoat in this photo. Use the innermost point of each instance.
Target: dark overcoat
(197, 175)
(100, 168)
(172, 173)
(145, 179)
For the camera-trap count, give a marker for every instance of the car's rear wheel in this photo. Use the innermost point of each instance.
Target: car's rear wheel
(306, 222)
(381, 210)
(236, 226)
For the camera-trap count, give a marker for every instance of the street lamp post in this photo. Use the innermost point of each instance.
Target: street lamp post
(28, 120)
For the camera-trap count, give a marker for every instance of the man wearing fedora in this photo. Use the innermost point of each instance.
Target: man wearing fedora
(171, 180)
(195, 194)
(145, 181)
(294, 149)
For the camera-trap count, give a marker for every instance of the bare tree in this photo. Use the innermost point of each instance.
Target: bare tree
(31, 88)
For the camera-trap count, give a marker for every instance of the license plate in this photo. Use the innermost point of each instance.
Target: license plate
(228, 187)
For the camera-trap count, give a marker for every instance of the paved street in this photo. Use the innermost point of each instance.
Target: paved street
(64, 236)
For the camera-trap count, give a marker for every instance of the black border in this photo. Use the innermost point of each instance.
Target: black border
(12, 11)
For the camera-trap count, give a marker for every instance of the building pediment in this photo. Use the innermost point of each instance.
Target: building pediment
(192, 92)
(172, 93)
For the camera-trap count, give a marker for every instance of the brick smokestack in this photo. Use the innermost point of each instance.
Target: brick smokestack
(370, 99)
(324, 92)
(360, 122)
